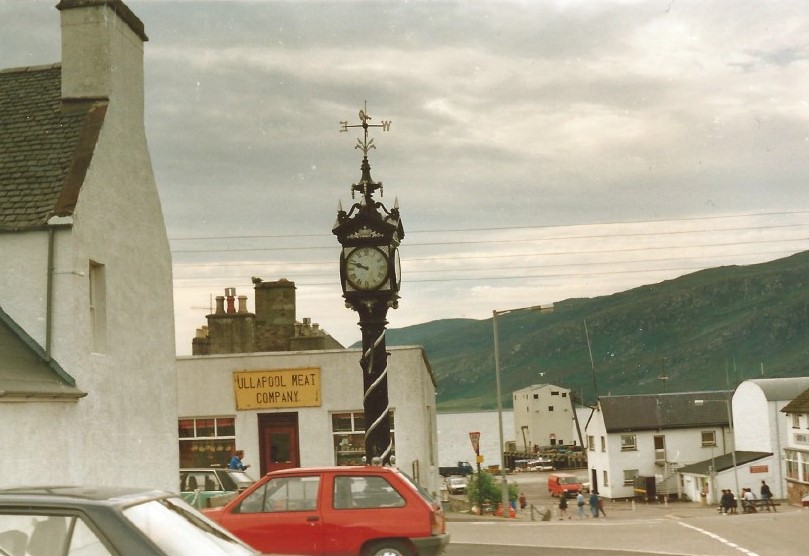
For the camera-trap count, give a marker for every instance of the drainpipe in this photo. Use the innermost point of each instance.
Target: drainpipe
(49, 294)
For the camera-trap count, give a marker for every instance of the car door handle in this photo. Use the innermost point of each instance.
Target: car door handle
(313, 518)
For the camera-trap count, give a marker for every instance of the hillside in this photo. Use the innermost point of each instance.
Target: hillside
(705, 330)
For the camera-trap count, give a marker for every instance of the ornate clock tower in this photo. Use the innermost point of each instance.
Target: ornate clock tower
(370, 275)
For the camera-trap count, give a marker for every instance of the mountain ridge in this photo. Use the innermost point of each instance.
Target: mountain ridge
(710, 329)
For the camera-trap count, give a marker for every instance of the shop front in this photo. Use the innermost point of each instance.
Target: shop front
(302, 409)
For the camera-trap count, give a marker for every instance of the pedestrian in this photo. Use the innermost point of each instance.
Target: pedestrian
(727, 501)
(594, 503)
(523, 501)
(563, 507)
(766, 495)
(236, 461)
(601, 506)
(748, 501)
(579, 504)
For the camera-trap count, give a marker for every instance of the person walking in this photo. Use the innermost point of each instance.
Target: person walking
(563, 507)
(580, 505)
(601, 506)
(594, 503)
(766, 495)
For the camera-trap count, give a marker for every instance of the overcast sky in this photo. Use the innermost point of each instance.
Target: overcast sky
(539, 150)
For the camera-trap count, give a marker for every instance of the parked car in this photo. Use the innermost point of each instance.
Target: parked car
(540, 464)
(208, 487)
(51, 521)
(457, 485)
(329, 511)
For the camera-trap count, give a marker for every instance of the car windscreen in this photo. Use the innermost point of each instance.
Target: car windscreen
(179, 530)
(568, 480)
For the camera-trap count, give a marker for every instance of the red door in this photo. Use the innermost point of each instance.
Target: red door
(278, 441)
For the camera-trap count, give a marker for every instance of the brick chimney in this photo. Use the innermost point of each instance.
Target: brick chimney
(275, 314)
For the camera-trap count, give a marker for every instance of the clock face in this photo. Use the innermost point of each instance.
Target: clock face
(366, 268)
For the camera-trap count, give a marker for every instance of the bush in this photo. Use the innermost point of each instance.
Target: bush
(490, 488)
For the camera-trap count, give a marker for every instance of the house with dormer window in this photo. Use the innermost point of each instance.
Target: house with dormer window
(87, 362)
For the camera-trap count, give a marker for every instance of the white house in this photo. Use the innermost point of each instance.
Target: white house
(650, 437)
(543, 416)
(87, 376)
(796, 449)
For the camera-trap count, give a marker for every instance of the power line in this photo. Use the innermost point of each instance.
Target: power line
(505, 228)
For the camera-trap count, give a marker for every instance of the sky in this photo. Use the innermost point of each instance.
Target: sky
(538, 150)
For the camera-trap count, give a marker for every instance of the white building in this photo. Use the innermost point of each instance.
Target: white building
(543, 416)
(796, 449)
(761, 426)
(651, 436)
(303, 409)
(87, 376)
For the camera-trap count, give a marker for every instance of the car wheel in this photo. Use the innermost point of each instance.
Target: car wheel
(388, 548)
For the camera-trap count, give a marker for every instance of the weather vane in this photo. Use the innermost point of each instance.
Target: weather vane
(365, 144)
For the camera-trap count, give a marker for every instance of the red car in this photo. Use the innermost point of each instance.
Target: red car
(336, 511)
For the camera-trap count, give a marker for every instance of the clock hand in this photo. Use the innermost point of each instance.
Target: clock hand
(360, 265)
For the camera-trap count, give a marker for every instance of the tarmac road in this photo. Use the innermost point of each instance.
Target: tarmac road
(677, 528)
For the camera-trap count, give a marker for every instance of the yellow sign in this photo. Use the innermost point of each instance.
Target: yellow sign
(478, 459)
(277, 389)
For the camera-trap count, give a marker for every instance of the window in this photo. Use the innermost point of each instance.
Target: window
(709, 438)
(207, 441)
(792, 464)
(796, 420)
(365, 492)
(564, 394)
(628, 442)
(605, 482)
(591, 443)
(348, 430)
(284, 494)
(554, 392)
(536, 396)
(603, 444)
(98, 307)
(550, 408)
(629, 476)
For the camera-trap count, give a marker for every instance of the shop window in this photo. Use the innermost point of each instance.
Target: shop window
(348, 429)
(206, 441)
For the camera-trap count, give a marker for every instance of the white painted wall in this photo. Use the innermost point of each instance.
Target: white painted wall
(124, 432)
(205, 389)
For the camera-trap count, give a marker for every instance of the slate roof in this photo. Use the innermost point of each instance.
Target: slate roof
(664, 411)
(46, 145)
(26, 371)
(722, 463)
(799, 405)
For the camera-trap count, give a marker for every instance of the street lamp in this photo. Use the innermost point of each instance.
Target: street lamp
(504, 483)
(733, 438)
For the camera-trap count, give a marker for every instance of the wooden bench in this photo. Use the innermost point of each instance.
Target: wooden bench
(752, 506)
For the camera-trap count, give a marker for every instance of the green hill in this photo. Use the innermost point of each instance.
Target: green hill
(705, 330)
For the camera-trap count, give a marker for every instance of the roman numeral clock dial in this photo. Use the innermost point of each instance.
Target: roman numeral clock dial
(366, 268)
